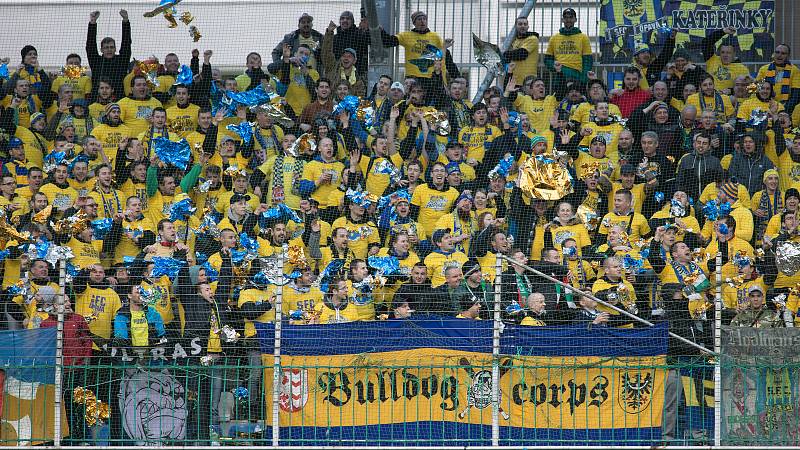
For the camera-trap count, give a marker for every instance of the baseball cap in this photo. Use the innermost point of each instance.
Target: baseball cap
(239, 197)
(36, 116)
(351, 51)
(439, 234)
(755, 288)
(15, 142)
(306, 16)
(398, 85)
(568, 11)
(464, 196)
(453, 167)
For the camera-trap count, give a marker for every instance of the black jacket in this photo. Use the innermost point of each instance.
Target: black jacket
(114, 68)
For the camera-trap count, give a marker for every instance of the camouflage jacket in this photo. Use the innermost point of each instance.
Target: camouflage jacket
(763, 318)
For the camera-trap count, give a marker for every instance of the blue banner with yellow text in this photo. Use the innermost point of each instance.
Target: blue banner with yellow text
(429, 382)
(628, 24)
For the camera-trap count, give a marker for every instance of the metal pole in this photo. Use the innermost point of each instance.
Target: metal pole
(62, 272)
(498, 276)
(276, 364)
(621, 311)
(717, 349)
(379, 13)
(492, 73)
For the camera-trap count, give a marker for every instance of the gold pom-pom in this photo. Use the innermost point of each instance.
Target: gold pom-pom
(186, 17)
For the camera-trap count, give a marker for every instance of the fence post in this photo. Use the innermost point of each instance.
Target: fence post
(718, 305)
(62, 271)
(276, 365)
(498, 276)
(492, 73)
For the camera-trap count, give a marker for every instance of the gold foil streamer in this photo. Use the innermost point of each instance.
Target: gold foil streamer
(186, 17)
(73, 72)
(171, 19)
(304, 145)
(544, 180)
(438, 121)
(195, 33)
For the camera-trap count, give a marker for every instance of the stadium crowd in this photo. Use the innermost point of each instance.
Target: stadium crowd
(399, 204)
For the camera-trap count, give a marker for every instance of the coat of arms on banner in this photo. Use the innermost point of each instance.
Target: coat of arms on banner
(636, 391)
(294, 390)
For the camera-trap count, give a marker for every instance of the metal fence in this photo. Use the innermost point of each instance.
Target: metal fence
(440, 381)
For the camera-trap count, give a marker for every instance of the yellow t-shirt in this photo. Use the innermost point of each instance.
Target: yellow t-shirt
(126, 246)
(60, 198)
(724, 74)
(360, 235)
(638, 225)
(110, 137)
(81, 86)
(327, 314)
(475, 140)
(530, 65)
(86, 253)
(638, 195)
(539, 112)
(287, 171)
(25, 110)
(136, 113)
(102, 305)
(182, 120)
(378, 182)
(610, 133)
(414, 44)
(437, 263)
(570, 50)
(727, 110)
(432, 204)
(254, 296)
(328, 194)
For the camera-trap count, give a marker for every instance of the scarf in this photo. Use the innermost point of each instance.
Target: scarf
(719, 105)
(110, 203)
(780, 77)
(278, 193)
(773, 205)
(148, 138)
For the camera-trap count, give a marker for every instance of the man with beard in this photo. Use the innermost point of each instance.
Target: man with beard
(631, 95)
(323, 103)
(784, 76)
(524, 51)
(110, 200)
(695, 167)
(416, 291)
(111, 131)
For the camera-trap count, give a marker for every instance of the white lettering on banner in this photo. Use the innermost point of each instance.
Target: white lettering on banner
(157, 353)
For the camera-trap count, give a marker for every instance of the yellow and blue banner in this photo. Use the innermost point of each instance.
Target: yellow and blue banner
(430, 382)
(28, 381)
(627, 24)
